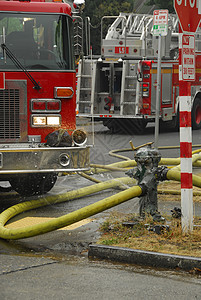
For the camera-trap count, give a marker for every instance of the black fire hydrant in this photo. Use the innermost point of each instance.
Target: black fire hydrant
(146, 173)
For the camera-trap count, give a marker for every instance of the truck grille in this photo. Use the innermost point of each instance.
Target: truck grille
(9, 114)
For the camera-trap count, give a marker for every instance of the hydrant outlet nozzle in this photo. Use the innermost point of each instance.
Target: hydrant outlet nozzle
(162, 173)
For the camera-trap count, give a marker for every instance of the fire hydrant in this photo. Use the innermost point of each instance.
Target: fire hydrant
(147, 159)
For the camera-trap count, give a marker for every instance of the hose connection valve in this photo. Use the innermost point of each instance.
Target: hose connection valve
(146, 173)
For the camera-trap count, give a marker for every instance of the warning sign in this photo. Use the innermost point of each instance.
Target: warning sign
(188, 57)
(160, 22)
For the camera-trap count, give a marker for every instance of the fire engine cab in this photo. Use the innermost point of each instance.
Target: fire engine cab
(38, 137)
(119, 86)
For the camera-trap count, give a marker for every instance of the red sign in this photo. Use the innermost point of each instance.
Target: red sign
(188, 57)
(188, 12)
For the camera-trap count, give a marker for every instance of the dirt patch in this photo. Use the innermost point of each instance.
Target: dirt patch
(167, 237)
(167, 189)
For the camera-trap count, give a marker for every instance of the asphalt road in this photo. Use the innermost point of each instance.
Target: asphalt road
(56, 264)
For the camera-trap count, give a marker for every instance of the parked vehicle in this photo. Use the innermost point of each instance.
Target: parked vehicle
(119, 86)
(38, 137)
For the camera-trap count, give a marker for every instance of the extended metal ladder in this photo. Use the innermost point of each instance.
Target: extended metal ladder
(86, 81)
(129, 87)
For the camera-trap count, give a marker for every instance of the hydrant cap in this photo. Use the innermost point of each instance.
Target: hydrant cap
(142, 155)
(147, 155)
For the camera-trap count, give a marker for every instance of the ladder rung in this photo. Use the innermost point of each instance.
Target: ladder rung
(127, 103)
(86, 76)
(85, 89)
(83, 76)
(84, 101)
(131, 77)
(130, 90)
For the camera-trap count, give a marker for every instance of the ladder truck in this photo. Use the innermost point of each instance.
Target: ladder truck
(119, 86)
(38, 136)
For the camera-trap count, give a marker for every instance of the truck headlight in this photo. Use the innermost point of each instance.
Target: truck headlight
(52, 121)
(48, 120)
(39, 121)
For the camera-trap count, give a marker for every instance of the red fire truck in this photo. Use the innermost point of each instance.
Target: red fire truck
(38, 136)
(119, 86)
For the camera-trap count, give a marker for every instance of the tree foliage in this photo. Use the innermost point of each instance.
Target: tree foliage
(99, 8)
(163, 4)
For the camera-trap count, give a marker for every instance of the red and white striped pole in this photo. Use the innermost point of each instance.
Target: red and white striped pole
(185, 147)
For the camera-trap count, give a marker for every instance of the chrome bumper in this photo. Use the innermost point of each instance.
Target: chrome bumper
(14, 160)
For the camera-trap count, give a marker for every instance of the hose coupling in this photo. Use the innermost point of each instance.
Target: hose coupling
(162, 173)
(144, 189)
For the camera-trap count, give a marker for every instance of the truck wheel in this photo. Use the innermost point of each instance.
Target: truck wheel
(127, 126)
(119, 126)
(172, 125)
(196, 114)
(112, 125)
(139, 125)
(33, 184)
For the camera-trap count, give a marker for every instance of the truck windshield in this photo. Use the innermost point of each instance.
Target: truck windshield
(39, 42)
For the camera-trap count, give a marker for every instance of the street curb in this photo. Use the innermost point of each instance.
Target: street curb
(144, 258)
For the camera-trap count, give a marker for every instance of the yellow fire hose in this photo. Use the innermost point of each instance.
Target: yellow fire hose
(135, 191)
(121, 166)
(70, 218)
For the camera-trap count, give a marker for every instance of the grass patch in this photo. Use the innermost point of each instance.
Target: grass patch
(140, 235)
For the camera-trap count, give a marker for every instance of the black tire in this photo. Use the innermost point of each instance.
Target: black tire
(132, 126)
(33, 184)
(126, 126)
(112, 125)
(196, 114)
(138, 125)
(172, 125)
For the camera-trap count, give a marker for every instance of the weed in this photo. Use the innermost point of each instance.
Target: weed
(111, 241)
(139, 236)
